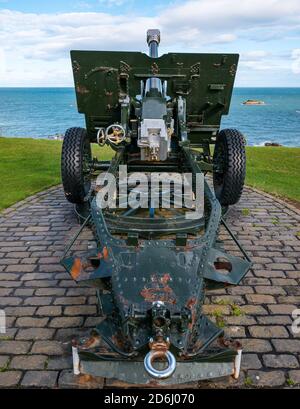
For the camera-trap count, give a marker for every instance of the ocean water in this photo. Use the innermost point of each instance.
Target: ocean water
(44, 112)
(276, 121)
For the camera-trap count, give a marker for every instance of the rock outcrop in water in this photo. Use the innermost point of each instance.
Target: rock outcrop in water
(253, 102)
(272, 144)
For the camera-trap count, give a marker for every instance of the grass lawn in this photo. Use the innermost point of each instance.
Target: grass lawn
(28, 166)
(275, 170)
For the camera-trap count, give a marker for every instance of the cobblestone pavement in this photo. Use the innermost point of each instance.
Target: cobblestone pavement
(45, 309)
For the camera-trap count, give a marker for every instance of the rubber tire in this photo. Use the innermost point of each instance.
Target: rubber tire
(229, 185)
(75, 145)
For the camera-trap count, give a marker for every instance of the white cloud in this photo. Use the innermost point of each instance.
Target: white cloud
(259, 65)
(230, 13)
(254, 54)
(82, 5)
(2, 62)
(258, 60)
(296, 62)
(111, 3)
(261, 60)
(37, 45)
(221, 39)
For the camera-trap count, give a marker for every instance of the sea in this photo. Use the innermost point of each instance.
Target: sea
(48, 112)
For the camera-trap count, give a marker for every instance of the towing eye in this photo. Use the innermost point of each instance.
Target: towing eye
(159, 350)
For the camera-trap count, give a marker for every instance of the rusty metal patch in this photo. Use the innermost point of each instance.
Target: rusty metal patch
(159, 290)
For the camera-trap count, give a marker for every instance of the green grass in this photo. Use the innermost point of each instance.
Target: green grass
(275, 170)
(290, 382)
(28, 166)
(248, 381)
(235, 310)
(220, 321)
(245, 212)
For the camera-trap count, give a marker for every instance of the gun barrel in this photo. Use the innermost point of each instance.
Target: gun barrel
(153, 40)
(153, 49)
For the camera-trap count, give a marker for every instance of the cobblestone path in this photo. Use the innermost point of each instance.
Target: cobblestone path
(45, 308)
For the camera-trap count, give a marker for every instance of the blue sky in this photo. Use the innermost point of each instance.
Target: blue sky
(66, 6)
(36, 36)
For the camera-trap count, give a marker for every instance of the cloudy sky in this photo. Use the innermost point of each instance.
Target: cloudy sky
(36, 36)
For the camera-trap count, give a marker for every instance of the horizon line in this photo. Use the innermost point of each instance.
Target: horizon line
(64, 86)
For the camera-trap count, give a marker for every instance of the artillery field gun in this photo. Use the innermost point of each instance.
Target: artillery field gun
(152, 263)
